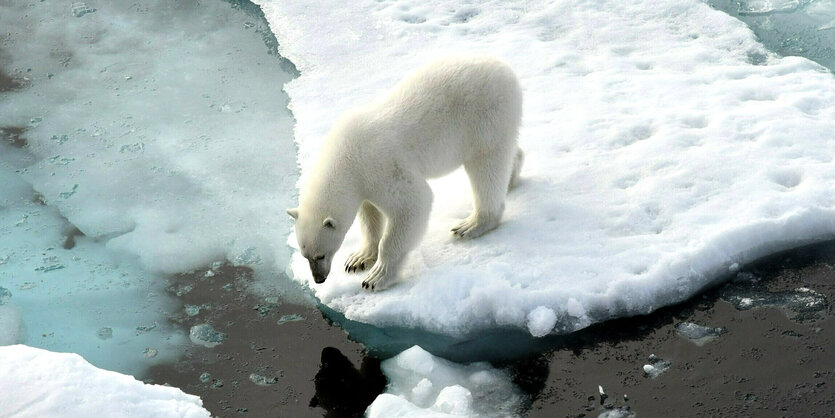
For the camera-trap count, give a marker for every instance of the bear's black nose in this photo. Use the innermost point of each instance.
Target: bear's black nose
(318, 278)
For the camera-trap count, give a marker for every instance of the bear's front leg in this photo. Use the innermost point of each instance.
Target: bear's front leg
(407, 211)
(371, 224)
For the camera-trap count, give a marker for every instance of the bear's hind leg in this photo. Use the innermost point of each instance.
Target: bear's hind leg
(518, 160)
(489, 180)
(372, 223)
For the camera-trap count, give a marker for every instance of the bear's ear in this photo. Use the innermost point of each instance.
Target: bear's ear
(329, 223)
(294, 212)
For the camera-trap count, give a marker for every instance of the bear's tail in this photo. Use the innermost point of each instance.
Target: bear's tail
(518, 159)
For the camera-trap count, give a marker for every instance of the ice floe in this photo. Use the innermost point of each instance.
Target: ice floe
(40, 383)
(422, 385)
(666, 148)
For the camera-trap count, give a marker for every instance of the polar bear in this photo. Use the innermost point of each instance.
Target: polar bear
(376, 159)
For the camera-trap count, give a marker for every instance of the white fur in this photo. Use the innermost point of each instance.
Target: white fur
(376, 159)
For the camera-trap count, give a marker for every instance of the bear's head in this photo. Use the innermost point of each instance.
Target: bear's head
(319, 239)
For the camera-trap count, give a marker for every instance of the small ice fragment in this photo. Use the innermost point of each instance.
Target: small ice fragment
(210, 273)
(454, 400)
(422, 391)
(192, 310)
(146, 328)
(656, 366)
(600, 389)
(50, 267)
(104, 333)
(802, 301)
(265, 308)
(183, 289)
(206, 335)
(575, 308)
(228, 286)
(622, 412)
(218, 383)
(698, 334)
(205, 377)
(733, 267)
(262, 380)
(150, 352)
(248, 257)
(80, 9)
(541, 321)
(5, 295)
(290, 318)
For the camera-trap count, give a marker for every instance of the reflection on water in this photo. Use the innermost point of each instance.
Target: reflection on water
(342, 389)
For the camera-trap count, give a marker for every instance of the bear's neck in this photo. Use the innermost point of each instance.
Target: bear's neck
(336, 196)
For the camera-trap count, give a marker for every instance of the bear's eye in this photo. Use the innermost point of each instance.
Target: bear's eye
(319, 258)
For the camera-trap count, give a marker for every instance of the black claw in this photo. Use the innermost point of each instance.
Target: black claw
(362, 266)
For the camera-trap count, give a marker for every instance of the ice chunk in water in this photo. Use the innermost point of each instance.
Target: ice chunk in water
(104, 333)
(206, 335)
(698, 334)
(261, 380)
(656, 366)
(541, 321)
(290, 318)
(622, 412)
(80, 9)
(421, 384)
(804, 302)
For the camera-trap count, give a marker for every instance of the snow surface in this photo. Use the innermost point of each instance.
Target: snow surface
(659, 154)
(40, 383)
(422, 385)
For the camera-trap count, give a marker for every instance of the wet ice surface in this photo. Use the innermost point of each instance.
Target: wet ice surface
(136, 140)
(789, 27)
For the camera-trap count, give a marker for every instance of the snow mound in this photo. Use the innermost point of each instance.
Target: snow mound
(422, 385)
(40, 383)
(664, 145)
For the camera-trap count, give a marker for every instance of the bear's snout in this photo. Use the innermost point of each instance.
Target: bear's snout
(319, 269)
